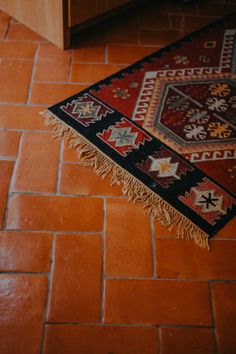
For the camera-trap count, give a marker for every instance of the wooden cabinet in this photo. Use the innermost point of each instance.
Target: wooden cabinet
(56, 19)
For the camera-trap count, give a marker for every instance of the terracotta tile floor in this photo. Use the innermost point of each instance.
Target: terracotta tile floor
(82, 270)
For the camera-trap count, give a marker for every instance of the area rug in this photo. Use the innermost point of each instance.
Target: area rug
(165, 128)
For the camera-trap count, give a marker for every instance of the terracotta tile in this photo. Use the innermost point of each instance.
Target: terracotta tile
(122, 35)
(6, 169)
(16, 75)
(218, 263)
(21, 117)
(157, 302)
(22, 303)
(25, 252)
(127, 54)
(3, 29)
(52, 93)
(190, 23)
(9, 142)
(4, 17)
(188, 340)
(100, 339)
(37, 163)
(4, 23)
(77, 279)
(91, 73)
(17, 50)
(224, 301)
(228, 231)
(179, 7)
(128, 242)
(18, 31)
(92, 37)
(154, 14)
(52, 64)
(216, 10)
(75, 214)
(77, 179)
(159, 38)
(161, 231)
(69, 155)
(91, 54)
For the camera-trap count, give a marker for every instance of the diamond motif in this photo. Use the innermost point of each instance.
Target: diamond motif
(123, 136)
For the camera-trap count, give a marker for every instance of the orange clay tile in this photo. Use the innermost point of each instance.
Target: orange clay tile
(9, 142)
(16, 75)
(23, 299)
(20, 32)
(25, 252)
(92, 53)
(90, 73)
(17, 50)
(158, 302)
(77, 279)
(21, 117)
(6, 169)
(224, 304)
(188, 340)
(34, 156)
(48, 94)
(52, 64)
(74, 339)
(127, 54)
(159, 38)
(219, 263)
(55, 213)
(69, 155)
(77, 179)
(128, 242)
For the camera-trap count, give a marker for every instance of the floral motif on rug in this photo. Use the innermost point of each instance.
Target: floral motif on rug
(166, 128)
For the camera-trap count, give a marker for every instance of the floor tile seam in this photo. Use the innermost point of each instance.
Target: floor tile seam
(154, 255)
(49, 289)
(12, 181)
(103, 289)
(213, 314)
(32, 74)
(59, 169)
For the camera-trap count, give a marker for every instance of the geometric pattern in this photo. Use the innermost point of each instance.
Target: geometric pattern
(86, 109)
(169, 120)
(124, 136)
(164, 167)
(208, 200)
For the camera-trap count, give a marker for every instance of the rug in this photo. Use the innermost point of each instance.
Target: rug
(165, 128)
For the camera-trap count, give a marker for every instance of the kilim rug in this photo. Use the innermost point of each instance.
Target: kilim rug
(165, 128)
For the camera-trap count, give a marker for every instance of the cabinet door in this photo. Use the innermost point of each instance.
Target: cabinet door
(80, 11)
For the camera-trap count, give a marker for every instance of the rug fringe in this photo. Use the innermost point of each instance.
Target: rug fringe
(132, 187)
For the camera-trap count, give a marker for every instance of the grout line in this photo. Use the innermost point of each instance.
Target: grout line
(7, 158)
(186, 280)
(33, 73)
(106, 61)
(24, 273)
(48, 294)
(58, 180)
(153, 246)
(62, 82)
(12, 181)
(150, 325)
(213, 318)
(7, 30)
(22, 104)
(103, 263)
(160, 344)
(59, 232)
(70, 65)
(49, 194)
